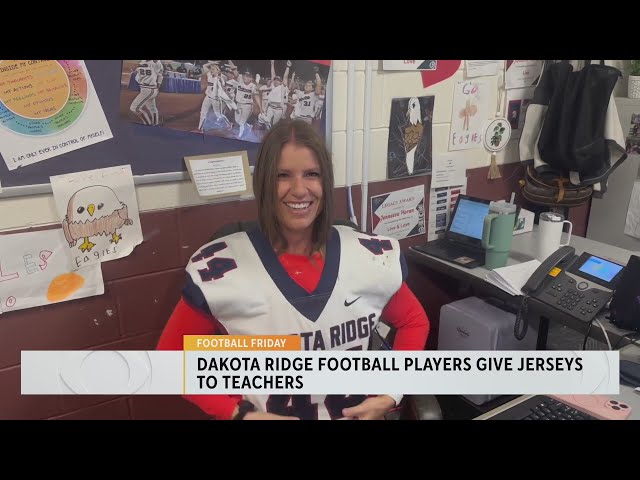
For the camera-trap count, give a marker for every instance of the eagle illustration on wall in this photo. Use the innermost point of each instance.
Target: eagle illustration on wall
(92, 211)
(412, 132)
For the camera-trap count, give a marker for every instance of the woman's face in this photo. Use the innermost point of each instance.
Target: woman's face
(299, 189)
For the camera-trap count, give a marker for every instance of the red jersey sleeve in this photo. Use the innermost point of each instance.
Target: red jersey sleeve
(187, 320)
(406, 314)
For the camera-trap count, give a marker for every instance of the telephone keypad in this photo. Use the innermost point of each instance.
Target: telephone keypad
(580, 304)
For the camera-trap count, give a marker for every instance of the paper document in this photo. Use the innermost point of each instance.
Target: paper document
(448, 169)
(512, 278)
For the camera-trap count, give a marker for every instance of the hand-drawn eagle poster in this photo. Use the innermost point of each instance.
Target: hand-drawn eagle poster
(409, 148)
(99, 214)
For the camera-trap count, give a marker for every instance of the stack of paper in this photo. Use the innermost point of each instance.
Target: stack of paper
(511, 279)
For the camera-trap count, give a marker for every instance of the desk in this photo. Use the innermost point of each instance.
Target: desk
(626, 395)
(522, 251)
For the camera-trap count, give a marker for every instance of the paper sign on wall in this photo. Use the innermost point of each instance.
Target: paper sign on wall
(399, 214)
(35, 269)
(99, 214)
(480, 68)
(442, 200)
(522, 73)
(469, 115)
(220, 175)
(409, 64)
(47, 108)
(448, 169)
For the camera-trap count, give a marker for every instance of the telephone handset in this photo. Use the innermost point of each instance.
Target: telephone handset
(561, 257)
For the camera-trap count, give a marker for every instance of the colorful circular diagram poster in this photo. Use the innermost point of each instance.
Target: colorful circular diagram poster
(47, 108)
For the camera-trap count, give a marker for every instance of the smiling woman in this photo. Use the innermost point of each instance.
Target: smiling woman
(328, 284)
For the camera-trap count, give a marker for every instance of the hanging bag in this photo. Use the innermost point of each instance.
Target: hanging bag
(553, 191)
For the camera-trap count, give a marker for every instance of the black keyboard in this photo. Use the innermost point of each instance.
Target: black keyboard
(541, 407)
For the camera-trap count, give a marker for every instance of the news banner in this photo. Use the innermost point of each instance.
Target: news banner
(273, 364)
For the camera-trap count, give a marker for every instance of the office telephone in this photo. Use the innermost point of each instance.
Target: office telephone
(577, 285)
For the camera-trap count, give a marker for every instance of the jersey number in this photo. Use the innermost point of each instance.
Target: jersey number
(247, 96)
(300, 405)
(307, 103)
(375, 246)
(217, 266)
(145, 72)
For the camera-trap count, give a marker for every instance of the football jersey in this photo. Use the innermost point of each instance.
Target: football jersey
(361, 274)
(148, 73)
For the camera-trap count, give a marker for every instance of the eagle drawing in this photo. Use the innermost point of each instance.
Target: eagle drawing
(91, 211)
(412, 132)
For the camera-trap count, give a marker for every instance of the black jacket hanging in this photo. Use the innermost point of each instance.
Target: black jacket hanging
(571, 127)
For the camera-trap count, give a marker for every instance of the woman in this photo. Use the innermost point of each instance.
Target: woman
(307, 277)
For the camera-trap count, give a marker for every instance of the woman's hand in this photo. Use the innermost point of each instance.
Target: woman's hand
(373, 408)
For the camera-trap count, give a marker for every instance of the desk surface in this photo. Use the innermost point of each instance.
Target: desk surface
(522, 250)
(627, 395)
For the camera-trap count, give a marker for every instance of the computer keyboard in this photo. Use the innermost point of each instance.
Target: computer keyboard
(542, 407)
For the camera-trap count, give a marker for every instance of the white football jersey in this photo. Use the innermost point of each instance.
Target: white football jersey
(149, 73)
(361, 274)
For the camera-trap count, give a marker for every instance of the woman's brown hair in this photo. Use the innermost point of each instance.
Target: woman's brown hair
(265, 174)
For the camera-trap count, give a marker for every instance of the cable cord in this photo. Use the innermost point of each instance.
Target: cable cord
(586, 336)
(521, 318)
(604, 332)
(628, 336)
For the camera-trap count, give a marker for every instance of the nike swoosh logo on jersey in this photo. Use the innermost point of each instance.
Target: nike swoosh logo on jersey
(347, 304)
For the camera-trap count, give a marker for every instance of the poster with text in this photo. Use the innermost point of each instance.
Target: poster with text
(35, 269)
(399, 214)
(469, 115)
(99, 214)
(409, 147)
(47, 108)
(522, 73)
(236, 99)
(442, 200)
(409, 64)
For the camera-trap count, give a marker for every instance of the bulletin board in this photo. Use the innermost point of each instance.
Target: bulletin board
(155, 154)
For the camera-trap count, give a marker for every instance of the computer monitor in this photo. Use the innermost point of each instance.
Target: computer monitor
(467, 220)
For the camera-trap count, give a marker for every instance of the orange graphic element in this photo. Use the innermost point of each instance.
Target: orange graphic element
(63, 286)
(33, 89)
(242, 342)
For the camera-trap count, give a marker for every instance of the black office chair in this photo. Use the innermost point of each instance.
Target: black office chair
(412, 407)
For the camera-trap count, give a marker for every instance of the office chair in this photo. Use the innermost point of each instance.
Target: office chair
(412, 407)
